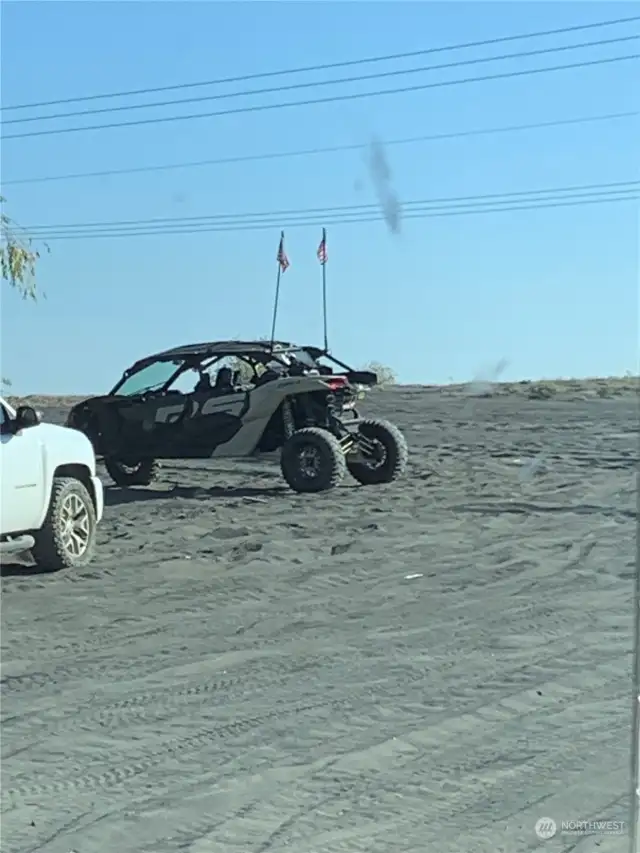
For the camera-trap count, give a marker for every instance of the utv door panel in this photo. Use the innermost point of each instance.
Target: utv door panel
(150, 427)
(208, 421)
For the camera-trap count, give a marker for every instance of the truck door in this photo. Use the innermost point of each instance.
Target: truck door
(22, 492)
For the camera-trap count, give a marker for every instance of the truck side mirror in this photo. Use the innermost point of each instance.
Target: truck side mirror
(26, 416)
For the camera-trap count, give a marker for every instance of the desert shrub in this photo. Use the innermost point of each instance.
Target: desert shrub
(386, 375)
(541, 391)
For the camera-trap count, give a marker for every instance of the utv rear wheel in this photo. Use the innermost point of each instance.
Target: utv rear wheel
(67, 537)
(137, 474)
(383, 453)
(312, 460)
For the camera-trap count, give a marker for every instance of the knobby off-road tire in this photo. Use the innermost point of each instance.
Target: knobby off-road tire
(141, 474)
(312, 460)
(67, 537)
(396, 454)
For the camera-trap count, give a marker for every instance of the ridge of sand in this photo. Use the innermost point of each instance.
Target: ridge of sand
(431, 666)
(538, 389)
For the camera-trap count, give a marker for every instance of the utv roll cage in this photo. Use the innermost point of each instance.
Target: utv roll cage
(204, 355)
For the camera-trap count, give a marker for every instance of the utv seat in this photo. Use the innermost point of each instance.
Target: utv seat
(203, 384)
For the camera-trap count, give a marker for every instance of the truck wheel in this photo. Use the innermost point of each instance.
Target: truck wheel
(140, 474)
(383, 454)
(67, 537)
(312, 460)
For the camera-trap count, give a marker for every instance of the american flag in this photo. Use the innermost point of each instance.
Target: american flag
(282, 258)
(322, 249)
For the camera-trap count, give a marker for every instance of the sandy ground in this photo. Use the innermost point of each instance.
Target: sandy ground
(432, 666)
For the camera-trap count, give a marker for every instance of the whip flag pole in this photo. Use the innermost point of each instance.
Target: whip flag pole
(322, 257)
(283, 265)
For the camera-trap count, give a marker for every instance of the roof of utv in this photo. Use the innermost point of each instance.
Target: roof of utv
(221, 348)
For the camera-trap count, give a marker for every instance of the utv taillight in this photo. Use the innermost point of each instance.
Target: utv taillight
(336, 382)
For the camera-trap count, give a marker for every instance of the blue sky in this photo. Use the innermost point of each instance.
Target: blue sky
(554, 292)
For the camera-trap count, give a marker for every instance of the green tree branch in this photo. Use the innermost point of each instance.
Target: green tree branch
(18, 257)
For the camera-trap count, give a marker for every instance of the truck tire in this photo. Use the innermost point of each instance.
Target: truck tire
(67, 537)
(124, 475)
(312, 460)
(394, 454)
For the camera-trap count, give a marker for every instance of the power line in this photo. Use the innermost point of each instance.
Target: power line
(379, 217)
(398, 72)
(331, 99)
(347, 218)
(573, 188)
(326, 66)
(341, 210)
(333, 149)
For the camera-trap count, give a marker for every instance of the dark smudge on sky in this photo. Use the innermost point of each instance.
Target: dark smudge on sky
(380, 172)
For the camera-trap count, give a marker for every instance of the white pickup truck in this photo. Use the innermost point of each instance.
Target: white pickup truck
(50, 496)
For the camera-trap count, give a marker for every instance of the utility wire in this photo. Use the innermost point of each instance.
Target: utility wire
(330, 99)
(333, 149)
(616, 186)
(397, 72)
(434, 213)
(220, 221)
(326, 66)
(338, 219)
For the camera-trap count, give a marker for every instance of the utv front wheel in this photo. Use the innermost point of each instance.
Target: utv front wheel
(382, 453)
(138, 474)
(312, 460)
(67, 537)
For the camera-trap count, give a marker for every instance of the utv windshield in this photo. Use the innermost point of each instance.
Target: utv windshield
(150, 378)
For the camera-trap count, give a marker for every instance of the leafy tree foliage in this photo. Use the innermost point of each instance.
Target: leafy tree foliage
(18, 257)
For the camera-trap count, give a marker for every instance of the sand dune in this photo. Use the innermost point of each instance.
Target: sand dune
(432, 666)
